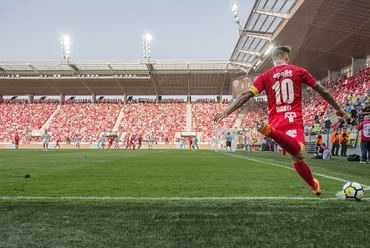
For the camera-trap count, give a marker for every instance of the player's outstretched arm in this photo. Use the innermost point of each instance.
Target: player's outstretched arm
(240, 100)
(329, 98)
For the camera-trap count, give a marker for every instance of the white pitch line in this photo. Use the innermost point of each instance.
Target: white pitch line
(123, 198)
(365, 187)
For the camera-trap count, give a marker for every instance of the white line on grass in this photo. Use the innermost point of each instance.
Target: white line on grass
(123, 198)
(365, 187)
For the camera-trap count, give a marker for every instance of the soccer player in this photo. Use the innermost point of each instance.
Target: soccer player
(16, 140)
(283, 87)
(57, 143)
(150, 143)
(192, 143)
(101, 142)
(139, 141)
(116, 143)
(77, 142)
(131, 142)
(229, 139)
(213, 143)
(196, 142)
(182, 143)
(110, 142)
(254, 144)
(45, 140)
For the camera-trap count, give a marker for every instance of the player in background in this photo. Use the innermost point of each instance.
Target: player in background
(190, 143)
(213, 143)
(131, 142)
(283, 87)
(116, 143)
(45, 140)
(254, 144)
(139, 141)
(101, 142)
(150, 143)
(57, 140)
(77, 142)
(195, 141)
(229, 139)
(182, 143)
(16, 140)
(110, 142)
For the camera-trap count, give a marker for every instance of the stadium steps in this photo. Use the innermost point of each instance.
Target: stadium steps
(188, 117)
(119, 118)
(47, 122)
(310, 147)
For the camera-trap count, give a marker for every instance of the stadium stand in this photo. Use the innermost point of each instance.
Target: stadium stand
(19, 116)
(202, 113)
(160, 121)
(85, 119)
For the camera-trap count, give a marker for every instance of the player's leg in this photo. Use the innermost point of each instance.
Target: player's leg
(288, 143)
(304, 170)
(296, 150)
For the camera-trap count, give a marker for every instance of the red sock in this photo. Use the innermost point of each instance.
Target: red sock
(288, 143)
(305, 172)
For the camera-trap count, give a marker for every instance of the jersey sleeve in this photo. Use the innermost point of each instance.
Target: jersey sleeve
(258, 85)
(308, 78)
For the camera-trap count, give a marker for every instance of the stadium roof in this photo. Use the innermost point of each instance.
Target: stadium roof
(117, 77)
(324, 35)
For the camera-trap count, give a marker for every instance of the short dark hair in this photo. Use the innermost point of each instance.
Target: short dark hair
(280, 51)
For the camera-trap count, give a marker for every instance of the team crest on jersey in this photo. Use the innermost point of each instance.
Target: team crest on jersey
(290, 116)
(236, 83)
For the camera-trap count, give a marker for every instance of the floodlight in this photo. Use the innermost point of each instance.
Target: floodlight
(65, 47)
(233, 6)
(236, 16)
(146, 41)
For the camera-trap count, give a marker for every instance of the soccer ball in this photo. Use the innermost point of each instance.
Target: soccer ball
(353, 191)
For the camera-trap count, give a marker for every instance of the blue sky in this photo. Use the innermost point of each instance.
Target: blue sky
(113, 29)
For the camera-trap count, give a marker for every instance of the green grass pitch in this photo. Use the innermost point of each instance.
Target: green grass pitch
(172, 198)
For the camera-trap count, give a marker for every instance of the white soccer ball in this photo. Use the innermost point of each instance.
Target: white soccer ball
(353, 191)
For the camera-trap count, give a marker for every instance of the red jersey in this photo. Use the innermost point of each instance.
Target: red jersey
(283, 86)
(364, 127)
(16, 140)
